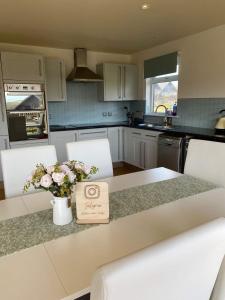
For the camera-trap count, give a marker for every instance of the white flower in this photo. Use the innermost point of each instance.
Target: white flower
(58, 177)
(71, 176)
(46, 181)
(50, 169)
(65, 169)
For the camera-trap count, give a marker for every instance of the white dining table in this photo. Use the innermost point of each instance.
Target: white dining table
(63, 268)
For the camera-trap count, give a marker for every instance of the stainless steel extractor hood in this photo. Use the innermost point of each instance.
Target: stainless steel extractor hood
(81, 73)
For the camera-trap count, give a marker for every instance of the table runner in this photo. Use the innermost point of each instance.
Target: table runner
(26, 231)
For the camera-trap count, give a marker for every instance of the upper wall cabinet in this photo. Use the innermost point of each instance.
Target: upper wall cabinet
(120, 82)
(55, 79)
(22, 67)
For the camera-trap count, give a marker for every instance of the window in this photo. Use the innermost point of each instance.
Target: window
(161, 90)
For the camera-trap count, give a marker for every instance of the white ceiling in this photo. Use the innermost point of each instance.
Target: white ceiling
(105, 25)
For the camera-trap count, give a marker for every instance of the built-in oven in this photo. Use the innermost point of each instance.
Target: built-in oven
(26, 111)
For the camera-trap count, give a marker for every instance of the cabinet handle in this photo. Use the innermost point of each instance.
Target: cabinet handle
(85, 133)
(124, 82)
(144, 157)
(119, 143)
(61, 79)
(137, 133)
(148, 135)
(2, 110)
(40, 67)
(6, 143)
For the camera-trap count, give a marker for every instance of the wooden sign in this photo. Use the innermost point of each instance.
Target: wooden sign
(92, 202)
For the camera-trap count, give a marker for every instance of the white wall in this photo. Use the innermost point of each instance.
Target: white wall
(67, 55)
(202, 69)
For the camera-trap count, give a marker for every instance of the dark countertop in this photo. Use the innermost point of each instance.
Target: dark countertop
(86, 126)
(202, 133)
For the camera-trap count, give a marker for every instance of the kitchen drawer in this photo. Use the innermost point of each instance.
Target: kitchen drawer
(92, 134)
(144, 133)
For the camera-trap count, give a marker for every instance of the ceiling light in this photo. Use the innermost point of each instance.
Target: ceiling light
(145, 6)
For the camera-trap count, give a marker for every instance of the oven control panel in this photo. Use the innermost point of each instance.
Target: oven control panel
(23, 87)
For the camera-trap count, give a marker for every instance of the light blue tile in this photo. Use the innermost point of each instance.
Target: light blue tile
(83, 106)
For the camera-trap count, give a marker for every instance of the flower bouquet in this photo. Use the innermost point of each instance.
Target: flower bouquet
(60, 180)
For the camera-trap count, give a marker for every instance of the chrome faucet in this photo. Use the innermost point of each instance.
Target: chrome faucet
(161, 105)
(167, 121)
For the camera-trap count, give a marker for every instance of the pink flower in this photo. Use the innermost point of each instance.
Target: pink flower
(65, 169)
(46, 181)
(86, 169)
(78, 165)
(50, 169)
(29, 178)
(58, 177)
(71, 176)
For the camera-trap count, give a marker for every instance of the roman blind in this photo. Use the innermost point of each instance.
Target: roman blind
(160, 65)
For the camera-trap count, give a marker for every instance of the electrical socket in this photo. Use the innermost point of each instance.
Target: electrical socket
(104, 114)
(109, 114)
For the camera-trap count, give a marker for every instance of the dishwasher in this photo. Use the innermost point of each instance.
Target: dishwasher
(171, 152)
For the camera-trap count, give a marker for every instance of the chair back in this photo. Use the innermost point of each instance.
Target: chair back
(206, 160)
(17, 165)
(183, 267)
(93, 153)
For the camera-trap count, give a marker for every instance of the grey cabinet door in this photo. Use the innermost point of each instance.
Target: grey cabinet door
(4, 144)
(3, 119)
(150, 153)
(55, 79)
(115, 136)
(112, 82)
(22, 67)
(59, 140)
(130, 82)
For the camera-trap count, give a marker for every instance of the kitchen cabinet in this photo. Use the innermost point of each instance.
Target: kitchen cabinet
(141, 148)
(115, 136)
(130, 82)
(55, 79)
(3, 119)
(28, 143)
(120, 82)
(92, 134)
(149, 152)
(4, 144)
(22, 67)
(127, 145)
(60, 139)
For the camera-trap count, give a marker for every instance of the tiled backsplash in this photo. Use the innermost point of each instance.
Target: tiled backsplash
(201, 113)
(83, 106)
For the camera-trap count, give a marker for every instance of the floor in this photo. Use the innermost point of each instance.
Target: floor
(2, 196)
(119, 170)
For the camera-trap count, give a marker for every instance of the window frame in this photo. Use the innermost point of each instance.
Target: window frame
(149, 108)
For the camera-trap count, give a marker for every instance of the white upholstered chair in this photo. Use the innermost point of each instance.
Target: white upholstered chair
(206, 160)
(17, 165)
(93, 153)
(181, 268)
